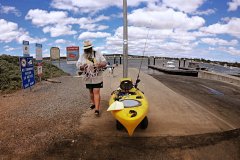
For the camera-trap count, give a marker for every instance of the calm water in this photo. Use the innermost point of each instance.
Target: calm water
(135, 63)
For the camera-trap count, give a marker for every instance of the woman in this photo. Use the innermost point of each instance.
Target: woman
(92, 64)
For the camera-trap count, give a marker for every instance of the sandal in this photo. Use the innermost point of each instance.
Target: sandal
(92, 106)
(97, 112)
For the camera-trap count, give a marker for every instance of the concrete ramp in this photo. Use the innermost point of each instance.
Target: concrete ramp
(170, 114)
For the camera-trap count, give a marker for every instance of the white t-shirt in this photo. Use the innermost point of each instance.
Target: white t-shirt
(97, 58)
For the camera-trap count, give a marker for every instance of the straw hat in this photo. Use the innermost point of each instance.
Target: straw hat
(87, 44)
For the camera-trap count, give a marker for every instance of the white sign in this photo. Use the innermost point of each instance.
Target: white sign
(38, 52)
(39, 68)
(25, 48)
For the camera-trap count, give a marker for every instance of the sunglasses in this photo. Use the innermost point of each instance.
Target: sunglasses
(88, 50)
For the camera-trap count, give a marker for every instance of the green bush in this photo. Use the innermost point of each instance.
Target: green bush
(10, 75)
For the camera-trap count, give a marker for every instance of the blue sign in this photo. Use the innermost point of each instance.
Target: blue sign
(25, 42)
(39, 45)
(27, 70)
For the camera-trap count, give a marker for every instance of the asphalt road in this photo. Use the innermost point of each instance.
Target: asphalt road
(221, 98)
(189, 118)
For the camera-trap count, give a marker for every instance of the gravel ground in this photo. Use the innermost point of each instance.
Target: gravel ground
(46, 124)
(31, 121)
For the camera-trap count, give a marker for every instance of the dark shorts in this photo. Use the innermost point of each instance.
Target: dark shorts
(97, 85)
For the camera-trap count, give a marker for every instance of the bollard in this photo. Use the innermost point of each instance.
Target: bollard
(120, 59)
(154, 60)
(114, 60)
(148, 61)
(179, 63)
(184, 61)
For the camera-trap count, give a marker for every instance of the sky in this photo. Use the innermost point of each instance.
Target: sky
(208, 29)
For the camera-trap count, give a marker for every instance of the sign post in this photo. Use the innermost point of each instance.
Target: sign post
(26, 48)
(39, 60)
(27, 70)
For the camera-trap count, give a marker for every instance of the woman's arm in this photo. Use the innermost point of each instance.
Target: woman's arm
(101, 61)
(101, 64)
(82, 67)
(81, 63)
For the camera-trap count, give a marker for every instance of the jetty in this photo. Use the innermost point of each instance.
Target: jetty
(185, 72)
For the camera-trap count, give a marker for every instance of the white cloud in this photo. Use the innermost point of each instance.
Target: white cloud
(89, 35)
(9, 49)
(92, 6)
(10, 31)
(211, 49)
(101, 18)
(9, 9)
(93, 27)
(25, 36)
(53, 17)
(230, 50)
(57, 17)
(101, 48)
(102, 27)
(59, 30)
(58, 23)
(158, 42)
(117, 15)
(218, 41)
(164, 18)
(231, 27)
(206, 12)
(61, 41)
(233, 5)
(184, 5)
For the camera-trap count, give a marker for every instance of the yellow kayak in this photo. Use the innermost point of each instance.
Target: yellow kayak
(135, 108)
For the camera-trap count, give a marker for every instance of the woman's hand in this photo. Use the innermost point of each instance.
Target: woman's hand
(83, 67)
(100, 65)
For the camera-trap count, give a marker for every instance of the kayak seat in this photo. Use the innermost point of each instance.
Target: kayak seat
(130, 103)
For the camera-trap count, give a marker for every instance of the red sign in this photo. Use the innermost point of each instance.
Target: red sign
(73, 48)
(72, 54)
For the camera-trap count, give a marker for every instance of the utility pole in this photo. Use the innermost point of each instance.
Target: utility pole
(125, 40)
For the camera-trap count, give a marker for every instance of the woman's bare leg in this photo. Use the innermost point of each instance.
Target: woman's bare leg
(91, 96)
(96, 93)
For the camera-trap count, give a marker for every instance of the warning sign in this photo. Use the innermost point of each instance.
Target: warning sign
(27, 70)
